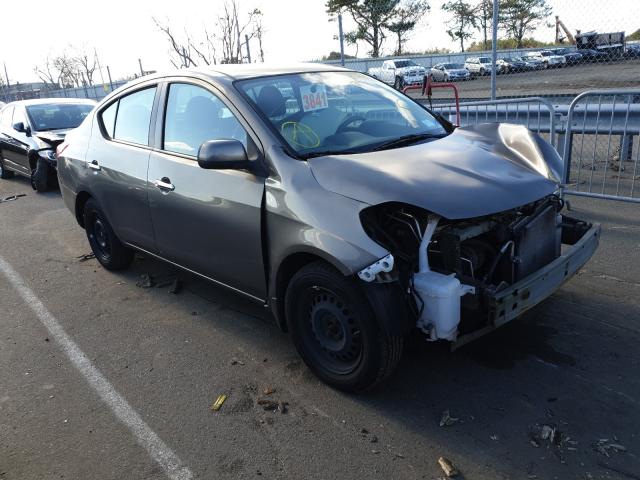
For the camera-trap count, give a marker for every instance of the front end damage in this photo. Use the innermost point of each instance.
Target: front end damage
(463, 278)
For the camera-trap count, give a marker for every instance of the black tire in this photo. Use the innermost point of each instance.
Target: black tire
(398, 83)
(40, 176)
(335, 331)
(446, 78)
(4, 173)
(481, 72)
(109, 251)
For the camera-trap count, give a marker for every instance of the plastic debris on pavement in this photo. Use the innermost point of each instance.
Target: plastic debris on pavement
(447, 467)
(10, 198)
(235, 361)
(606, 446)
(447, 420)
(217, 405)
(85, 257)
(146, 281)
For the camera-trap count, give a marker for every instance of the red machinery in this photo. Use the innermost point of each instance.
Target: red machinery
(428, 85)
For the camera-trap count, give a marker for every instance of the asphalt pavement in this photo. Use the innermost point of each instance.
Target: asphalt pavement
(553, 395)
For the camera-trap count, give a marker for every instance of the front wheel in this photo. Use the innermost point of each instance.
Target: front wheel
(40, 176)
(398, 84)
(336, 332)
(109, 251)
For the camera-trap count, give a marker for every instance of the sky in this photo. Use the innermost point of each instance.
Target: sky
(122, 31)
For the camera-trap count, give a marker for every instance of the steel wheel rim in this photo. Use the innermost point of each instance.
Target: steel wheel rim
(100, 238)
(333, 332)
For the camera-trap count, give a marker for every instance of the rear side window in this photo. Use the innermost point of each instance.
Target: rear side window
(133, 117)
(109, 118)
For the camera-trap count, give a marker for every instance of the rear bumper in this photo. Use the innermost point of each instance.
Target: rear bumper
(511, 302)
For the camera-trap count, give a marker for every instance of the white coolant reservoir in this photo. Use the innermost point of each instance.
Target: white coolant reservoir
(438, 294)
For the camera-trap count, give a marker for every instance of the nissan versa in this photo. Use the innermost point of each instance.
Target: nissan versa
(350, 210)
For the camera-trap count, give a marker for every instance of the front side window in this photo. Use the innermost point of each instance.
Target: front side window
(61, 116)
(337, 112)
(19, 117)
(194, 115)
(134, 116)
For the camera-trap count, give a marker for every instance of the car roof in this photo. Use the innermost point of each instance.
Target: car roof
(254, 70)
(50, 101)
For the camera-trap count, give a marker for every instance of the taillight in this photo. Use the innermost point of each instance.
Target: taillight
(61, 148)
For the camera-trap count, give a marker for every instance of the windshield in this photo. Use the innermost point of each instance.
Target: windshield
(337, 112)
(453, 66)
(57, 116)
(405, 63)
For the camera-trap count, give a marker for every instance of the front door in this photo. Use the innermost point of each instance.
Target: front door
(16, 145)
(206, 220)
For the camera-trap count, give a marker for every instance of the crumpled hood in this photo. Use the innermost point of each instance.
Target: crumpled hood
(475, 171)
(52, 138)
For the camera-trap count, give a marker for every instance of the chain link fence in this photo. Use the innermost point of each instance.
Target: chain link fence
(546, 48)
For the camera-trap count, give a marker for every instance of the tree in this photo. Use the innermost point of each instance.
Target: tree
(521, 17)
(406, 19)
(370, 17)
(484, 16)
(463, 20)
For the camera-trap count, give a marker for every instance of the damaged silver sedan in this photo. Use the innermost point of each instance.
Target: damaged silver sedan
(350, 210)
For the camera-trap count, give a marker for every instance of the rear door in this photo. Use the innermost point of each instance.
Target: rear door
(118, 159)
(207, 220)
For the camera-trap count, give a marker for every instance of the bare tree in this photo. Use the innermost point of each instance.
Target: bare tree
(87, 64)
(47, 73)
(224, 43)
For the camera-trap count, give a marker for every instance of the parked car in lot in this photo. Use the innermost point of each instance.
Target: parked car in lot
(355, 214)
(589, 55)
(30, 130)
(399, 72)
(514, 64)
(548, 59)
(632, 50)
(571, 56)
(445, 72)
(478, 65)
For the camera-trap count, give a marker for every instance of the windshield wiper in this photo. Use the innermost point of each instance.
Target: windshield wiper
(323, 153)
(406, 140)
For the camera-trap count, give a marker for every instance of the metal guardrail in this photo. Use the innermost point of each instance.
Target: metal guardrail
(594, 165)
(536, 113)
(598, 136)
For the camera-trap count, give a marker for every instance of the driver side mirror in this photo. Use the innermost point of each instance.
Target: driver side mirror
(20, 127)
(227, 154)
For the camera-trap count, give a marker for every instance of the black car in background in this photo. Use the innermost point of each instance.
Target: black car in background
(516, 64)
(30, 130)
(571, 56)
(589, 55)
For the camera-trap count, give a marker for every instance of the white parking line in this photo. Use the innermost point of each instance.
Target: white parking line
(147, 438)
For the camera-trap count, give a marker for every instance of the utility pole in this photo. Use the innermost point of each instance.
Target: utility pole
(341, 34)
(494, 49)
(6, 75)
(141, 70)
(109, 75)
(246, 42)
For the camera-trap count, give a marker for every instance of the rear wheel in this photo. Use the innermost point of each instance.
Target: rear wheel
(335, 331)
(109, 251)
(4, 173)
(482, 72)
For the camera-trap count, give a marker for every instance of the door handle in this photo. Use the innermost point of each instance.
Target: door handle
(94, 166)
(164, 184)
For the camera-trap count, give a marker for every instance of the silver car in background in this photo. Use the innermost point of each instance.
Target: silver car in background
(449, 72)
(350, 210)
